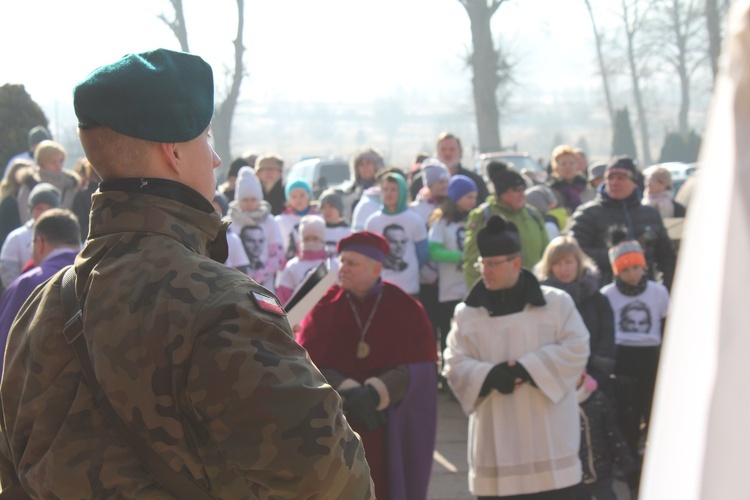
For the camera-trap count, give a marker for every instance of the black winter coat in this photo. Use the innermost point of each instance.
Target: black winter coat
(591, 222)
(599, 319)
(602, 444)
(276, 198)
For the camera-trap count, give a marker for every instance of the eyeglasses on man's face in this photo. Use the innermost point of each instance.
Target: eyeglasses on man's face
(491, 264)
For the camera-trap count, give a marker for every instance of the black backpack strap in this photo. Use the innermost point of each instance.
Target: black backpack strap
(178, 484)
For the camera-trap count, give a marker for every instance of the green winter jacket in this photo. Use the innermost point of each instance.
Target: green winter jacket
(530, 224)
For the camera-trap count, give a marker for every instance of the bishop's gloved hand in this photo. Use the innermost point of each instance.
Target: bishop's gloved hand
(360, 405)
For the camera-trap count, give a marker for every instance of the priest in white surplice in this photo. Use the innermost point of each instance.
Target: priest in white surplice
(514, 354)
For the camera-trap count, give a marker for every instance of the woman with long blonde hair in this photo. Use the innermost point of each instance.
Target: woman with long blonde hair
(565, 266)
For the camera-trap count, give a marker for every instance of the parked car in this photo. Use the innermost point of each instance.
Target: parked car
(321, 173)
(679, 172)
(521, 162)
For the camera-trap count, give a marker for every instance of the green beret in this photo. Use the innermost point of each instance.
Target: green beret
(159, 96)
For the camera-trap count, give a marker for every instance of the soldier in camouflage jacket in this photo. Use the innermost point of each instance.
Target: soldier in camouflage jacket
(195, 357)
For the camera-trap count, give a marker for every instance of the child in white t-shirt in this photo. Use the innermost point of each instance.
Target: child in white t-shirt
(331, 204)
(257, 230)
(640, 308)
(446, 239)
(406, 234)
(236, 256)
(312, 232)
(298, 196)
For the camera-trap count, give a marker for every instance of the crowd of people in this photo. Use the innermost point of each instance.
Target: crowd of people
(538, 306)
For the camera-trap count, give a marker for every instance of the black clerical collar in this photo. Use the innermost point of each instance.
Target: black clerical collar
(510, 300)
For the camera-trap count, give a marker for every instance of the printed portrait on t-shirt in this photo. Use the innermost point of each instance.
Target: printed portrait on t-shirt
(254, 240)
(291, 251)
(331, 248)
(460, 238)
(635, 317)
(397, 241)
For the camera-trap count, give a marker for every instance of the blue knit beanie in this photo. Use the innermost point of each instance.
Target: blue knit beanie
(297, 184)
(459, 186)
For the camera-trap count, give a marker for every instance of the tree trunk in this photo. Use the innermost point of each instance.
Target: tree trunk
(635, 78)
(222, 124)
(684, 20)
(684, 101)
(602, 67)
(178, 26)
(714, 35)
(484, 63)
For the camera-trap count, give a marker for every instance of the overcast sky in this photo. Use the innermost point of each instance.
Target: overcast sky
(346, 50)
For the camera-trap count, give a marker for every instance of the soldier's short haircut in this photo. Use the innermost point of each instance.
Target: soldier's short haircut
(58, 227)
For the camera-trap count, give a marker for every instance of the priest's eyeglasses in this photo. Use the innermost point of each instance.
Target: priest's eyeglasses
(491, 264)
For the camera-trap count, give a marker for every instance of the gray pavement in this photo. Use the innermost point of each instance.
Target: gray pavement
(449, 467)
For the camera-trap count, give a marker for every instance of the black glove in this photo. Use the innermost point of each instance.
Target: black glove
(500, 378)
(360, 405)
(519, 372)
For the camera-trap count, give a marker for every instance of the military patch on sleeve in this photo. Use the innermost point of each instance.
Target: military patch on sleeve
(267, 303)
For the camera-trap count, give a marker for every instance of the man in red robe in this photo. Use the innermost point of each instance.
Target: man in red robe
(374, 344)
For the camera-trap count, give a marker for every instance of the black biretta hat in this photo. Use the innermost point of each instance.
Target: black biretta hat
(498, 237)
(159, 96)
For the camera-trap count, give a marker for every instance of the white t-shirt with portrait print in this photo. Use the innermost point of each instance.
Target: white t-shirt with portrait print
(452, 283)
(256, 240)
(237, 257)
(638, 318)
(288, 223)
(402, 231)
(333, 235)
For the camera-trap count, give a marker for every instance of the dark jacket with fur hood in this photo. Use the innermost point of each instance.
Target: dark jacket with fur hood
(591, 223)
(599, 319)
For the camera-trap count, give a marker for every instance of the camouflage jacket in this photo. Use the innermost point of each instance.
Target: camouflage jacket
(189, 358)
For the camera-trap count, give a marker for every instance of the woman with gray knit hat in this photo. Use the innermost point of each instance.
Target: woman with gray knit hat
(544, 200)
(364, 165)
(331, 208)
(659, 193)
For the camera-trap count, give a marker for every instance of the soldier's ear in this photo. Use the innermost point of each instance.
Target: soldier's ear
(171, 154)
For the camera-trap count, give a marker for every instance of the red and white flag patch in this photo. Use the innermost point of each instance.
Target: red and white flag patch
(268, 303)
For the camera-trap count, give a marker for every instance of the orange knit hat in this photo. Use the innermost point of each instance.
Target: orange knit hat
(624, 252)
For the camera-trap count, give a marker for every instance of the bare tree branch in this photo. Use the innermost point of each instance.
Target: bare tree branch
(177, 25)
(494, 6)
(602, 67)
